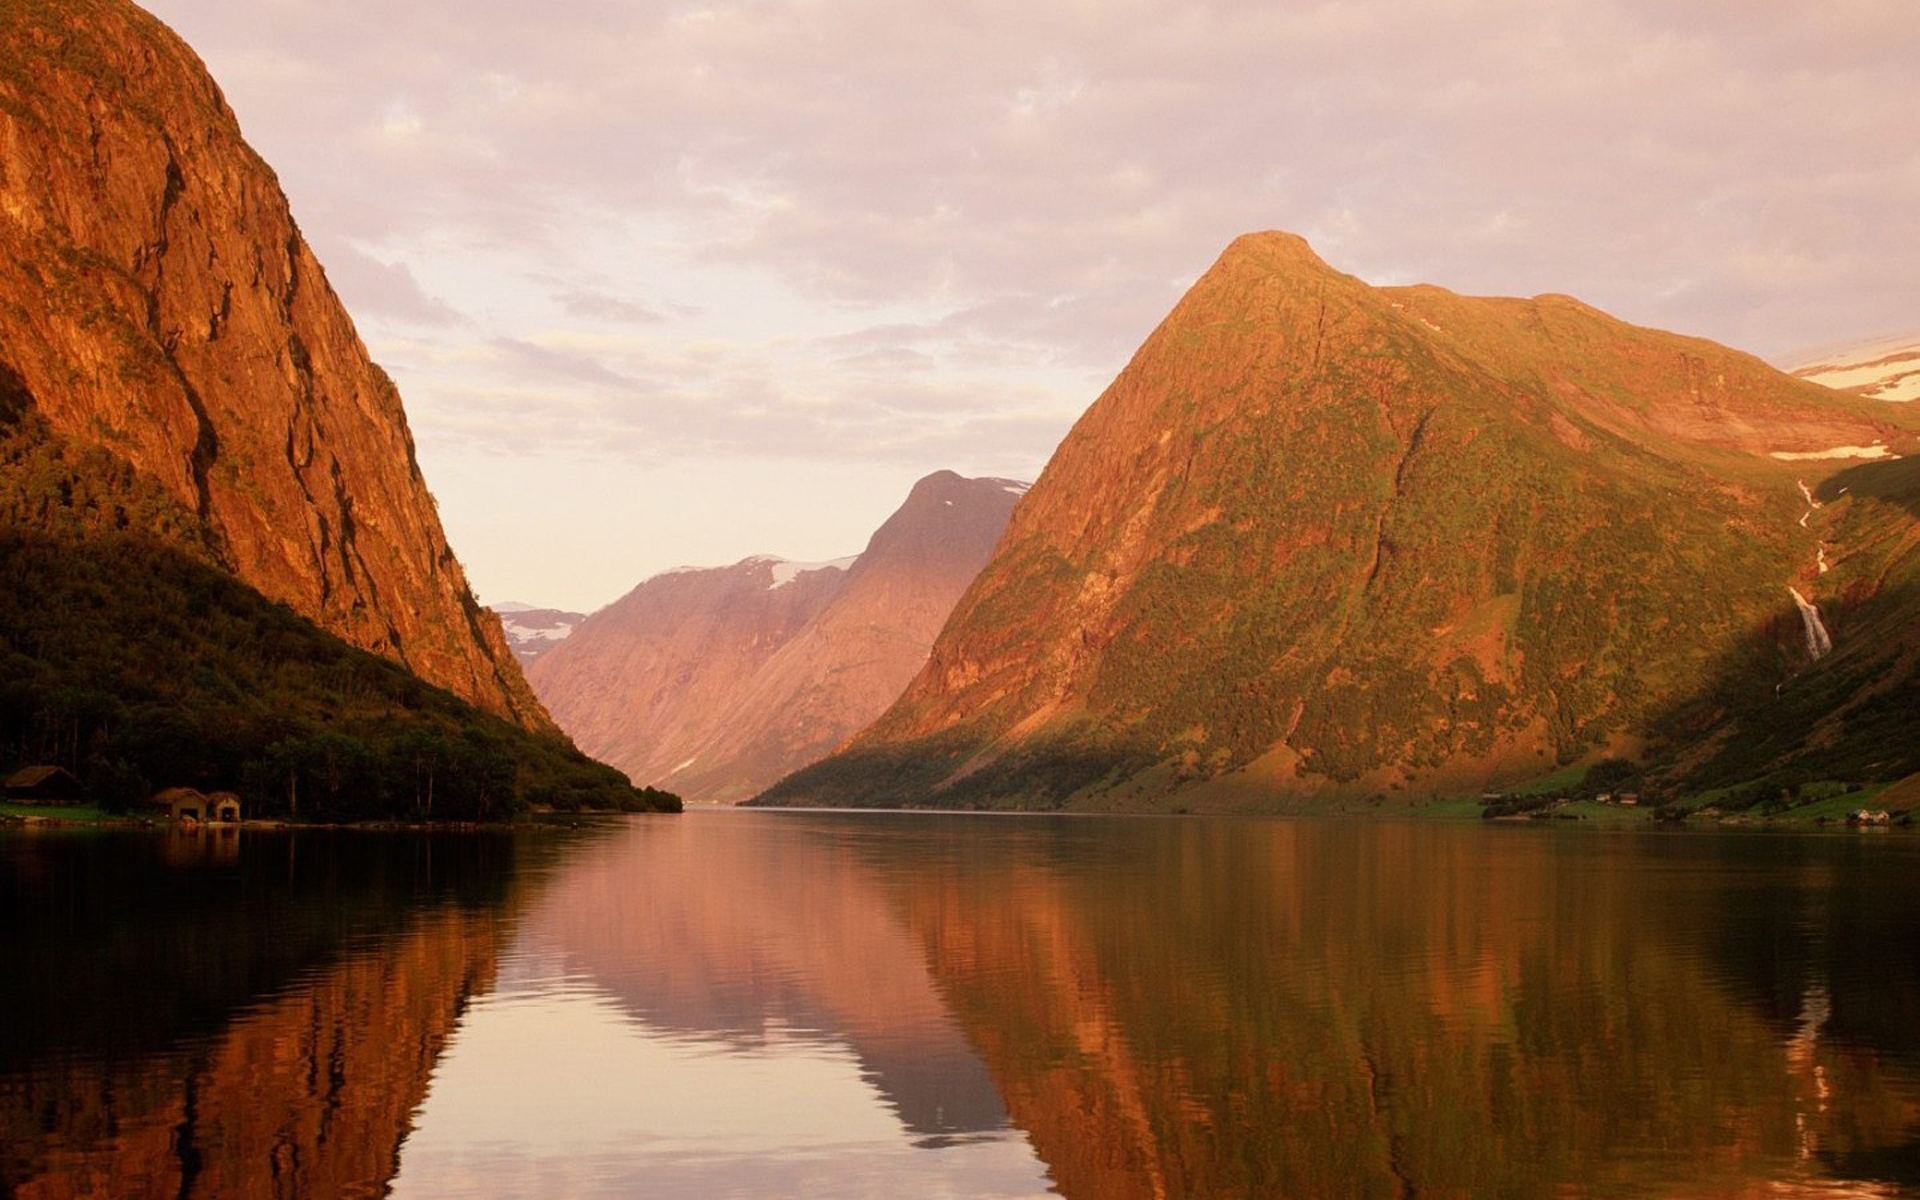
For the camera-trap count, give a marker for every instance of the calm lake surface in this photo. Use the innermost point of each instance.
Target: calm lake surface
(767, 1004)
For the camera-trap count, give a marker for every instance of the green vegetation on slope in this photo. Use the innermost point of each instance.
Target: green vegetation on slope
(129, 657)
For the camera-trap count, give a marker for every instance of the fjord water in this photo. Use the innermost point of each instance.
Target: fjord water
(783, 1003)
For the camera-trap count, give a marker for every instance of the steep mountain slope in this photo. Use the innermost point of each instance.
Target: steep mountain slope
(157, 301)
(532, 631)
(219, 565)
(1323, 539)
(717, 682)
(1882, 369)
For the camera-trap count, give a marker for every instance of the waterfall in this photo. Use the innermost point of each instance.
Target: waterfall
(1818, 643)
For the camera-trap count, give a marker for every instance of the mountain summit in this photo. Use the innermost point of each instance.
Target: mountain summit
(1321, 539)
(715, 682)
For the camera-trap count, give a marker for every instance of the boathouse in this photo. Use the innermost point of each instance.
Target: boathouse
(191, 804)
(43, 785)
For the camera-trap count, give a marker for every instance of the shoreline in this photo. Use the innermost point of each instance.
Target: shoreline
(68, 819)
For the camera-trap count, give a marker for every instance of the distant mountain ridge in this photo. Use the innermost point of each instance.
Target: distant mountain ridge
(1322, 541)
(714, 682)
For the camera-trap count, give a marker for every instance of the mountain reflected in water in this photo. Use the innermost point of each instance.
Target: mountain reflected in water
(886, 1004)
(1271, 1008)
(745, 939)
(232, 1014)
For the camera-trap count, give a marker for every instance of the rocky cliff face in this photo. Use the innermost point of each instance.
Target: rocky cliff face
(717, 682)
(1324, 539)
(157, 301)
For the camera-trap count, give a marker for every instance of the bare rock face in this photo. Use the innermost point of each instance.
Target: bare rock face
(717, 682)
(1325, 541)
(157, 300)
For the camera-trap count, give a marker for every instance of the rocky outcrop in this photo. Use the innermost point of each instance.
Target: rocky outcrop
(1321, 539)
(716, 682)
(158, 301)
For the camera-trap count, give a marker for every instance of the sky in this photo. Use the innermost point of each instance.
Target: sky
(677, 283)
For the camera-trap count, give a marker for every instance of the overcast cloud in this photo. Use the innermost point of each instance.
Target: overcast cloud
(867, 239)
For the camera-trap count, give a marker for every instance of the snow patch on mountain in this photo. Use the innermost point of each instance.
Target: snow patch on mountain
(1874, 451)
(532, 631)
(1881, 369)
(552, 633)
(785, 572)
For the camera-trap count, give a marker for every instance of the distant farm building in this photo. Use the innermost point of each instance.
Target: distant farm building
(43, 785)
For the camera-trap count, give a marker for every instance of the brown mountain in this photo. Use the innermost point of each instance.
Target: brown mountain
(716, 682)
(1325, 540)
(157, 302)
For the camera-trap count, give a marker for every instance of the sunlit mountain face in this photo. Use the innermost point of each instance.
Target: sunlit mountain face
(1322, 542)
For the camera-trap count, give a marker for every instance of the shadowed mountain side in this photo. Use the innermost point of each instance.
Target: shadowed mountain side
(158, 302)
(1324, 542)
(1772, 718)
(739, 943)
(1894, 483)
(194, 679)
(717, 682)
(327, 976)
(1459, 1032)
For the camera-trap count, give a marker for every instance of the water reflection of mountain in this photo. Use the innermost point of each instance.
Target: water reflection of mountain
(741, 939)
(1311, 1009)
(195, 1017)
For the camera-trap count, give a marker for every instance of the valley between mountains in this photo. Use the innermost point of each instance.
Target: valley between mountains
(1323, 544)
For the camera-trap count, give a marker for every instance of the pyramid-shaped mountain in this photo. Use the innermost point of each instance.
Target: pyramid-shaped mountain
(1321, 540)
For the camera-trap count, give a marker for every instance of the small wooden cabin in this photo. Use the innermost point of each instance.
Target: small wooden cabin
(43, 785)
